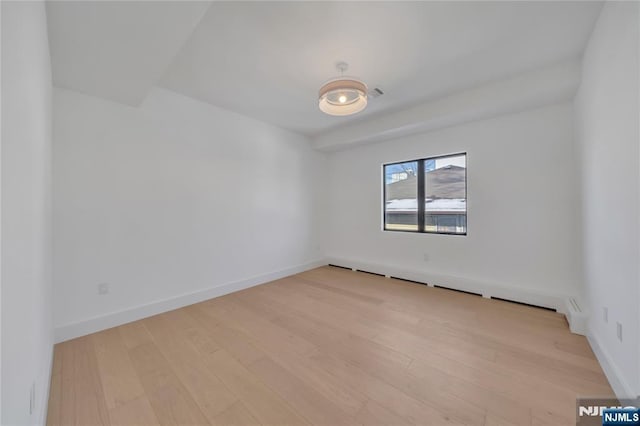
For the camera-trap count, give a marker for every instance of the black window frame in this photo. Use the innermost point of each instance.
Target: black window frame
(420, 196)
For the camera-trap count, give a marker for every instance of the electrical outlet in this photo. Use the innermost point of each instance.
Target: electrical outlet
(425, 257)
(32, 398)
(619, 330)
(605, 314)
(103, 288)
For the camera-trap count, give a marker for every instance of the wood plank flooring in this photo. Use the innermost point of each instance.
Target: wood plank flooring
(329, 347)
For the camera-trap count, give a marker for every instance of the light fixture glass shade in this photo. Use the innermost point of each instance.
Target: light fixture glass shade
(343, 96)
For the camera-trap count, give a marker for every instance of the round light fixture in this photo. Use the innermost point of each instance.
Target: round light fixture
(343, 95)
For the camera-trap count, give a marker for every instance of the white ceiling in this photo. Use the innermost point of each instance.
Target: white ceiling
(268, 59)
(117, 50)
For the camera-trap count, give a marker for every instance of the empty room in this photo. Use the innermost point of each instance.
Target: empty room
(320, 213)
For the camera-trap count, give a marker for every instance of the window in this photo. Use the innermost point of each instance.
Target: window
(427, 195)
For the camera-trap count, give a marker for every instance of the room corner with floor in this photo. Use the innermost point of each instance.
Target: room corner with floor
(329, 213)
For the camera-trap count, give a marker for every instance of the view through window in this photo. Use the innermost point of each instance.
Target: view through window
(427, 195)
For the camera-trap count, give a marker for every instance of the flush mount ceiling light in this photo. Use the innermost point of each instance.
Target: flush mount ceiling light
(343, 95)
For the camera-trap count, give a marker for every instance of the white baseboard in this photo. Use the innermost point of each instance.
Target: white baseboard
(620, 386)
(486, 289)
(91, 325)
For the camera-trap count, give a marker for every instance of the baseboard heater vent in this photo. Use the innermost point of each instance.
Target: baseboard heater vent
(371, 273)
(457, 290)
(409, 281)
(576, 317)
(525, 304)
(573, 305)
(338, 266)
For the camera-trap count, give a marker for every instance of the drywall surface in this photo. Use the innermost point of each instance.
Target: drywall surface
(27, 332)
(173, 198)
(607, 120)
(522, 206)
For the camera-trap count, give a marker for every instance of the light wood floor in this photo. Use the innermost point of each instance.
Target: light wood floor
(329, 347)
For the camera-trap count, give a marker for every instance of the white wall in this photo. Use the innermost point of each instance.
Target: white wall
(522, 207)
(172, 198)
(27, 334)
(0, 215)
(607, 119)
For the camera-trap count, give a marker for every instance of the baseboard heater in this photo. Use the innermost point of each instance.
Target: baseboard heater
(573, 307)
(357, 270)
(458, 290)
(338, 266)
(439, 286)
(576, 317)
(524, 304)
(409, 281)
(370, 273)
